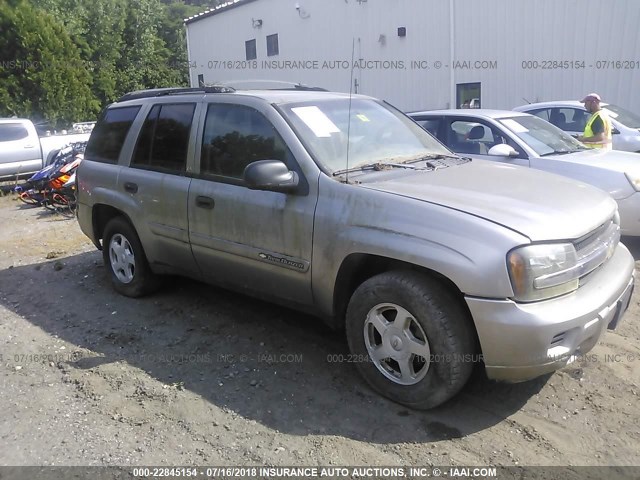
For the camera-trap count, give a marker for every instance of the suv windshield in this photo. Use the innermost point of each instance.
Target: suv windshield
(543, 137)
(625, 117)
(374, 133)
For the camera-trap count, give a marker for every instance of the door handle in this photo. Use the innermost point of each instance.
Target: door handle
(205, 202)
(130, 187)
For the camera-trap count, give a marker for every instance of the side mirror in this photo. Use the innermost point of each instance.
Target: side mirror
(270, 175)
(615, 131)
(502, 150)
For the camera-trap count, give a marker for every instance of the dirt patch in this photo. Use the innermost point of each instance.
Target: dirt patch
(196, 375)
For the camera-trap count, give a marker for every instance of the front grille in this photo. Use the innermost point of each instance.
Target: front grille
(580, 243)
(596, 248)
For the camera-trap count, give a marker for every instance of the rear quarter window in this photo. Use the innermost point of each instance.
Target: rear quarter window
(164, 139)
(10, 132)
(109, 134)
(431, 125)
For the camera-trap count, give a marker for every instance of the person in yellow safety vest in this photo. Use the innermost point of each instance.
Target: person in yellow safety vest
(597, 131)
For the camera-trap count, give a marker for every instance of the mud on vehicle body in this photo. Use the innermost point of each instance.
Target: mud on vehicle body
(344, 207)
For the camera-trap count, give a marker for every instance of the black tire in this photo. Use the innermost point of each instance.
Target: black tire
(134, 278)
(435, 314)
(52, 154)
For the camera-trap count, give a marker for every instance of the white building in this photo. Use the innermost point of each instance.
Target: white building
(426, 54)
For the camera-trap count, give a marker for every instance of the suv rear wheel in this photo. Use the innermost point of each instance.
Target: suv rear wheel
(125, 260)
(412, 338)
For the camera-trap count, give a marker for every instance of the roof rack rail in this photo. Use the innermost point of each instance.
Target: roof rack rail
(308, 88)
(161, 92)
(271, 85)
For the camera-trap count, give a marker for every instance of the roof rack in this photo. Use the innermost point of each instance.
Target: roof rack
(161, 92)
(307, 88)
(271, 85)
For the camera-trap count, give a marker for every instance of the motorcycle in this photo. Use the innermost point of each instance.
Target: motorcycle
(51, 187)
(63, 195)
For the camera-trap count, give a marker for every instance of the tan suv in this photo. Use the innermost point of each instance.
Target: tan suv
(344, 207)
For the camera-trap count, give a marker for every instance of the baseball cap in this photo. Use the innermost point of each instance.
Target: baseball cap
(591, 96)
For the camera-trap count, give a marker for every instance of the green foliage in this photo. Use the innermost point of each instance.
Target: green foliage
(42, 71)
(105, 46)
(172, 30)
(63, 60)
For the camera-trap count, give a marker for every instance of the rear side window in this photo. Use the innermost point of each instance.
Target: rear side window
(164, 139)
(108, 135)
(234, 137)
(10, 132)
(543, 114)
(431, 125)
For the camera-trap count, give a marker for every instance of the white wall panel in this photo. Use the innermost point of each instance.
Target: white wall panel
(505, 31)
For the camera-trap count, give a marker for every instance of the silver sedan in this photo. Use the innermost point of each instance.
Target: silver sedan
(522, 139)
(571, 116)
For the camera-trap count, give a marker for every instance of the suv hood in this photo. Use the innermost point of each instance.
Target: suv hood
(539, 205)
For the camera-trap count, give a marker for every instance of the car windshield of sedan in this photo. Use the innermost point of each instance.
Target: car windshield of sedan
(541, 136)
(625, 117)
(373, 133)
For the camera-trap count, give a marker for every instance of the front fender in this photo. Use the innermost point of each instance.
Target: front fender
(467, 250)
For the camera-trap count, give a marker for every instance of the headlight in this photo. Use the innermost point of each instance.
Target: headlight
(539, 272)
(634, 180)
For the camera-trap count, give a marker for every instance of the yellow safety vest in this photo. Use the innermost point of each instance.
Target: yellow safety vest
(606, 143)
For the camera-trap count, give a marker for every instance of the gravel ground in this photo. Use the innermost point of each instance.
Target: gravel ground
(195, 375)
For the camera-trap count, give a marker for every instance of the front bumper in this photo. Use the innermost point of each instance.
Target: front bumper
(521, 341)
(629, 210)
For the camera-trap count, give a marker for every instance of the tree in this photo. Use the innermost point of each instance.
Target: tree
(171, 29)
(43, 74)
(65, 59)
(128, 44)
(105, 47)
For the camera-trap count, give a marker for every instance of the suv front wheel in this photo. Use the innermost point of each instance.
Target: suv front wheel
(412, 338)
(125, 260)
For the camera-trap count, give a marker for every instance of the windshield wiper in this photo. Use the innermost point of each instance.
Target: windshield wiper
(432, 156)
(377, 166)
(559, 152)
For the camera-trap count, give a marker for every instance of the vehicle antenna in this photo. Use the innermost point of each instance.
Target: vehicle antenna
(353, 50)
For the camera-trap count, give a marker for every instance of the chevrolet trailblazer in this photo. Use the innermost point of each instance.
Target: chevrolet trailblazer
(344, 207)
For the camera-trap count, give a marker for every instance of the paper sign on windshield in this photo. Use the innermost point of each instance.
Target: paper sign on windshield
(316, 120)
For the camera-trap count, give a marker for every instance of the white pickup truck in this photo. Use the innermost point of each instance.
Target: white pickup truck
(23, 153)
